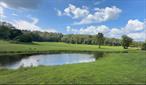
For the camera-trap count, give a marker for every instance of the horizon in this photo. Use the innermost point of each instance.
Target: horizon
(112, 18)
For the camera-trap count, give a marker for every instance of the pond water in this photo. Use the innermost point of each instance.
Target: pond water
(47, 59)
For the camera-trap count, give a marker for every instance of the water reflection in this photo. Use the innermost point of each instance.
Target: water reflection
(48, 59)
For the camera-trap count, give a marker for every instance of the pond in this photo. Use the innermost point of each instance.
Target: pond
(47, 59)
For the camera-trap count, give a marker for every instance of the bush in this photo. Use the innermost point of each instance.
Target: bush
(143, 46)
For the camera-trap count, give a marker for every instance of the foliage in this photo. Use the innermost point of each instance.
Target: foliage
(143, 46)
(89, 39)
(100, 38)
(24, 38)
(126, 41)
(8, 32)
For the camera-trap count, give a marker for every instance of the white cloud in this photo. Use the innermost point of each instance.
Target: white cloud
(2, 4)
(137, 33)
(34, 20)
(115, 32)
(138, 36)
(25, 25)
(2, 16)
(101, 15)
(68, 28)
(86, 17)
(134, 26)
(74, 12)
(59, 13)
(90, 30)
(31, 26)
(1, 11)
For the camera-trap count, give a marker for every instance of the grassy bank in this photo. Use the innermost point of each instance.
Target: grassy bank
(121, 68)
(40, 47)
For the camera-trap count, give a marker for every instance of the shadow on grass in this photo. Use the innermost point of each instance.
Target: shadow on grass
(25, 43)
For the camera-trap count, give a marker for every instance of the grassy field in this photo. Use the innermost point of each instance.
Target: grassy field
(114, 68)
(35, 47)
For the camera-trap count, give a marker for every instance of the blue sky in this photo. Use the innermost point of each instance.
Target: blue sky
(112, 17)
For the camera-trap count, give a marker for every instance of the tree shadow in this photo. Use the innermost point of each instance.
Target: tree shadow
(24, 43)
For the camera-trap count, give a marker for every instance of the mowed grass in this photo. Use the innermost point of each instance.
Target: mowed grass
(113, 68)
(8, 47)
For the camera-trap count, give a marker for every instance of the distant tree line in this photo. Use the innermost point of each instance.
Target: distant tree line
(9, 32)
(89, 39)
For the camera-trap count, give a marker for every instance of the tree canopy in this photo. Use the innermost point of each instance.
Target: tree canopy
(126, 41)
(100, 38)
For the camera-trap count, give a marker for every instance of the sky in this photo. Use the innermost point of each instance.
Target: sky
(113, 18)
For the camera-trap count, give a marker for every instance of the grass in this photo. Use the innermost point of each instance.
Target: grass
(38, 47)
(113, 68)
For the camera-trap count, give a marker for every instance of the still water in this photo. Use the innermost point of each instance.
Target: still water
(48, 60)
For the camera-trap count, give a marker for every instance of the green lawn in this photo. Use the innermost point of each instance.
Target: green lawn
(114, 68)
(7, 47)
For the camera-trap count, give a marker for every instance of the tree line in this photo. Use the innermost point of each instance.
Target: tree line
(9, 32)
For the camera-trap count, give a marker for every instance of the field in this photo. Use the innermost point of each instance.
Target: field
(121, 68)
(40, 47)
(113, 68)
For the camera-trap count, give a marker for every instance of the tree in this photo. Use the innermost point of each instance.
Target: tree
(100, 38)
(126, 41)
(4, 32)
(14, 33)
(24, 38)
(8, 31)
(143, 46)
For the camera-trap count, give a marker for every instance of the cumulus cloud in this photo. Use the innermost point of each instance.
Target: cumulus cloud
(137, 32)
(20, 4)
(134, 26)
(101, 15)
(31, 26)
(74, 12)
(115, 32)
(86, 17)
(138, 36)
(90, 30)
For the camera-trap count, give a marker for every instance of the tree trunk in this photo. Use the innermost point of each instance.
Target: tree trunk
(99, 45)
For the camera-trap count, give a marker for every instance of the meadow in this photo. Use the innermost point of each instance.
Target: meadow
(41, 47)
(116, 67)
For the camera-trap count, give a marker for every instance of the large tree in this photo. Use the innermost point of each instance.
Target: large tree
(8, 31)
(100, 38)
(126, 41)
